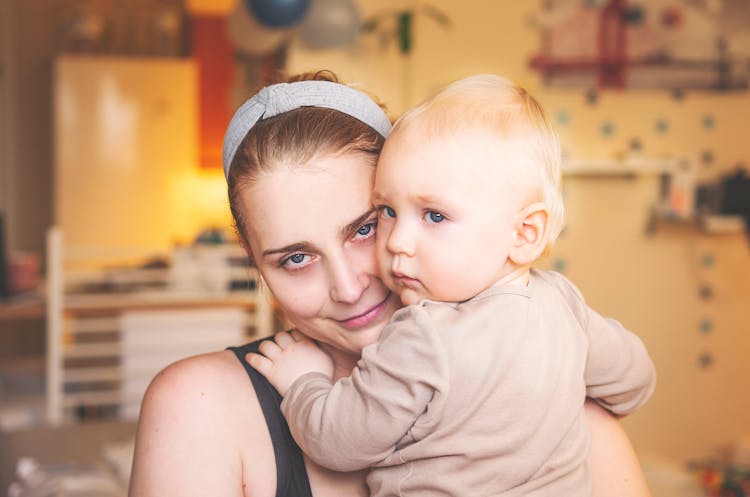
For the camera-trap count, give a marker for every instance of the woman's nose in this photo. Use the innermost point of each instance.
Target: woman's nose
(348, 282)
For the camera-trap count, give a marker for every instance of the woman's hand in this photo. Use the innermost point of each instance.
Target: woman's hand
(287, 357)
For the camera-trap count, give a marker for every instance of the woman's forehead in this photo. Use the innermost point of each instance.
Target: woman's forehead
(293, 204)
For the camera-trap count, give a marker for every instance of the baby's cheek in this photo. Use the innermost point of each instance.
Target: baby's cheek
(384, 262)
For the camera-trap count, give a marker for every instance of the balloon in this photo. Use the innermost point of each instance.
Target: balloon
(633, 14)
(278, 13)
(250, 37)
(330, 24)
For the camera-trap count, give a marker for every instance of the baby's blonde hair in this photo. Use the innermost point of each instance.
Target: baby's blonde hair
(506, 110)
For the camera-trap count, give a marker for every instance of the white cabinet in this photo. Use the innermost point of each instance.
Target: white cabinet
(152, 339)
(125, 135)
(109, 331)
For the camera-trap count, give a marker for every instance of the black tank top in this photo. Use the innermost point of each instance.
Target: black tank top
(291, 474)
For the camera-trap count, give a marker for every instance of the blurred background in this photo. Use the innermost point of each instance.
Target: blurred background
(117, 254)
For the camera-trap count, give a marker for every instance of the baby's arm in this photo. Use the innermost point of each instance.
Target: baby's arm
(358, 421)
(619, 372)
(287, 357)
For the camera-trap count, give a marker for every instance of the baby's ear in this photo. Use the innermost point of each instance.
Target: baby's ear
(531, 233)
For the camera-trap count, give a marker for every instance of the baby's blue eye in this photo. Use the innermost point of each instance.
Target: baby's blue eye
(389, 212)
(365, 230)
(297, 258)
(435, 217)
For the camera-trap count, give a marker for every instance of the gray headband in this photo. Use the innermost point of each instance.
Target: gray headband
(283, 97)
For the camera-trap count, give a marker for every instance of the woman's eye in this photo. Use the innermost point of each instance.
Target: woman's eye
(366, 230)
(386, 211)
(295, 261)
(435, 217)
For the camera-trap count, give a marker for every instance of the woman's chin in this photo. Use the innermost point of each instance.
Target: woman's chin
(351, 336)
(370, 335)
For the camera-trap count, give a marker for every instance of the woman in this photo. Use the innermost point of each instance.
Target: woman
(300, 170)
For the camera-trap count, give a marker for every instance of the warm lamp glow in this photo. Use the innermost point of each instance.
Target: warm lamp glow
(199, 201)
(214, 7)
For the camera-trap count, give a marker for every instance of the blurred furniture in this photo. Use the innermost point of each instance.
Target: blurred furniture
(23, 308)
(81, 444)
(113, 324)
(4, 260)
(668, 477)
(123, 299)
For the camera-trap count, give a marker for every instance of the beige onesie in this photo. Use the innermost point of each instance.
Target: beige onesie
(479, 398)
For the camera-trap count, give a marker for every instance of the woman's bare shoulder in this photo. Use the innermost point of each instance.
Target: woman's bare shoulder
(198, 386)
(191, 379)
(201, 415)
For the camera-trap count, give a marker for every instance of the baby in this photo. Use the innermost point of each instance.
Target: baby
(477, 386)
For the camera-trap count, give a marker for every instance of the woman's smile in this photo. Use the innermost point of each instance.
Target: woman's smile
(366, 318)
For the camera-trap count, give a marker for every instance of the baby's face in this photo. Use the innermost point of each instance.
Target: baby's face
(447, 213)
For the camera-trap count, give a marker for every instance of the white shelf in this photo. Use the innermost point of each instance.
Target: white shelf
(624, 168)
(107, 339)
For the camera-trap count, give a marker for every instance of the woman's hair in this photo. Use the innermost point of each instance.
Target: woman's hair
(295, 137)
(508, 111)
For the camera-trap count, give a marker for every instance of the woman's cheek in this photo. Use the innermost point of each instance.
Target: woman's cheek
(300, 296)
(365, 258)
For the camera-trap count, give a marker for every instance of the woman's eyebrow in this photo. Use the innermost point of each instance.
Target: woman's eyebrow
(350, 228)
(294, 247)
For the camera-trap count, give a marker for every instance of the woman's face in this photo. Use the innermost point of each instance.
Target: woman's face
(311, 229)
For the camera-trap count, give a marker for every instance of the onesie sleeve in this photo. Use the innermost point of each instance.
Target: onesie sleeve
(358, 421)
(619, 373)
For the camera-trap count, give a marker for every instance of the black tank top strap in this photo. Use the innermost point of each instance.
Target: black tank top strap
(291, 474)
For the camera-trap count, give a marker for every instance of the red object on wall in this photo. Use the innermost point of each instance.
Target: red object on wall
(611, 63)
(214, 53)
(612, 46)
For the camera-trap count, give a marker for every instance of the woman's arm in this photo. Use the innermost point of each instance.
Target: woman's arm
(614, 467)
(199, 422)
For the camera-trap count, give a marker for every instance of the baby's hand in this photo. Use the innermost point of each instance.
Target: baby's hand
(287, 357)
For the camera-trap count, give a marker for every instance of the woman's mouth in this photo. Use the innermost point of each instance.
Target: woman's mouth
(367, 317)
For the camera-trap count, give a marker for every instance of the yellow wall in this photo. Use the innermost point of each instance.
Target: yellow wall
(497, 37)
(652, 283)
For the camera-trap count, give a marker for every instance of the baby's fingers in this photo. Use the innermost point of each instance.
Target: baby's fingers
(269, 348)
(283, 339)
(260, 363)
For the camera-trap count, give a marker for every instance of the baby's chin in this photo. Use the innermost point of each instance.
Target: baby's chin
(410, 297)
